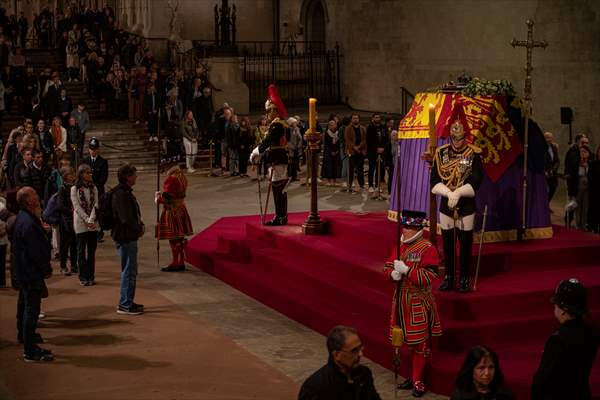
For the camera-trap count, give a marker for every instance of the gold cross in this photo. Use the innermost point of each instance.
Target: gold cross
(530, 44)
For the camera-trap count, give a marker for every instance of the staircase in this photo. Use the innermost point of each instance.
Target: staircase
(337, 279)
(121, 141)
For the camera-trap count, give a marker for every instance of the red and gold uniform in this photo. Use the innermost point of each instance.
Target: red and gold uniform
(175, 223)
(416, 312)
(413, 306)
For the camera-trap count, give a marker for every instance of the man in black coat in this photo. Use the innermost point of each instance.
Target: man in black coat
(152, 104)
(342, 377)
(377, 140)
(52, 96)
(128, 228)
(551, 164)
(38, 173)
(31, 265)
(73, 139)
(31, 87)
(570, 352)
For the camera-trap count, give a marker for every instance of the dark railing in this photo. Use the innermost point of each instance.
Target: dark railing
(298, 76)
(205, 48)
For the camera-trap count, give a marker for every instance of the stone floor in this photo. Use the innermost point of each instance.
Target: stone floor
(292, 348)
(289, 347)
(278, 340)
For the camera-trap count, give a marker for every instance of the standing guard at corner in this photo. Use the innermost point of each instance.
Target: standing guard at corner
(414, 318)
(273, 151)
(456, 174)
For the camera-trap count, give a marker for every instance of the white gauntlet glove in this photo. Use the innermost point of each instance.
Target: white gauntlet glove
(156, 197)
(463, 191)
(453, 198)
(255, 156)
(396, 275)
(441, 189)
(400, 266)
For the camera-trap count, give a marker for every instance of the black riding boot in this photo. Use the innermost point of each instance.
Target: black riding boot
(283, 216)
(448, 242)
(280, 200)
(466, 244)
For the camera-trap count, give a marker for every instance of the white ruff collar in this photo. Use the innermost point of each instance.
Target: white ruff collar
(418, 235)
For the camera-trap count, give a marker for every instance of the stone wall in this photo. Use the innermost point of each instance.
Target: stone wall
(419, 44)
(254, 19)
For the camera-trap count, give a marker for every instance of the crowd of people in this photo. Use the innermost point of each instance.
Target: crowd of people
(582, 175)
(56, 204)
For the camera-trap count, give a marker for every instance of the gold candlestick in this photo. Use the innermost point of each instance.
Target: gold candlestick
(313, 224)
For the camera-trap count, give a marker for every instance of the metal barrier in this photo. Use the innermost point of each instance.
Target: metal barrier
(298, 76)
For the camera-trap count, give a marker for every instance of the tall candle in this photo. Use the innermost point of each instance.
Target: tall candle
(312, 114)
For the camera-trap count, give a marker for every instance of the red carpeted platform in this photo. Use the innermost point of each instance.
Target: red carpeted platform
(322, 281)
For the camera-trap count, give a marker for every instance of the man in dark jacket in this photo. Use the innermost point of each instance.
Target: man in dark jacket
(355, 140)
(31, 265)
(570, 352)
(73, 142)
(38, 173)
(377, 140)
(152, 103)
(551, 164)
(128, 228)
(342, 377)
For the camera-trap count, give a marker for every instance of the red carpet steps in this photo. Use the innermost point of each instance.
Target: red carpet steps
(324, 281)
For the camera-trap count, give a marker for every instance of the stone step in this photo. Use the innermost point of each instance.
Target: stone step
(150, 165)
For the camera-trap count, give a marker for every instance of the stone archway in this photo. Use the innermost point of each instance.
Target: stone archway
(314, 17)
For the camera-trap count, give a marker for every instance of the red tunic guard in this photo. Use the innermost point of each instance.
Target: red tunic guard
(175, 223)
(416, 314)
(413, 311)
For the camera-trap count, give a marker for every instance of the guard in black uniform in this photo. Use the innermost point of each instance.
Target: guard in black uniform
(456, 174)
(570, 352)
(273, 151)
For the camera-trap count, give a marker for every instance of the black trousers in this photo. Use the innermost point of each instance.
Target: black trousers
(28, 311)
(68, 247)
(87, 262)
(552, 182)
(373, 170)
(357, 162)
(465, 239)
(152, 119)
(244, 155)
(280, 198)
(294, 166)
(390, 169)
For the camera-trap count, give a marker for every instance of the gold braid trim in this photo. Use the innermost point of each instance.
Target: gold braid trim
(449, 172)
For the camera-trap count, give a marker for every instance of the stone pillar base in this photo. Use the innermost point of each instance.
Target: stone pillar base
(225, 73)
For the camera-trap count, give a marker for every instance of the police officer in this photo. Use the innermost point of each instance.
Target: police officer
(98, 164)
(570, 352)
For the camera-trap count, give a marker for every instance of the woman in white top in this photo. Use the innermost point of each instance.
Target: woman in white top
(84, 196)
